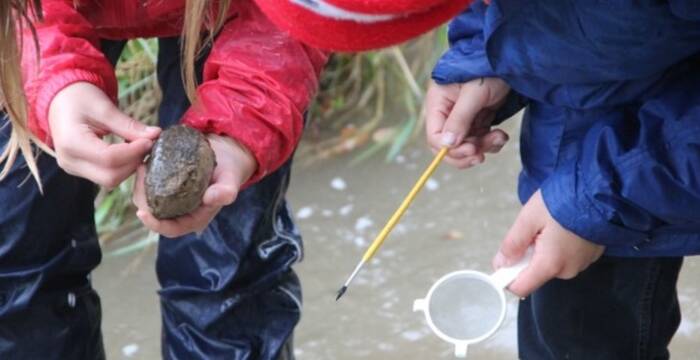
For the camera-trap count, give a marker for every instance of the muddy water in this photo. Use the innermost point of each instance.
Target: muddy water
(456, 223)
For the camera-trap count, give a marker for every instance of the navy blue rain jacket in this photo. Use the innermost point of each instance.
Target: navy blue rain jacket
(611, 134)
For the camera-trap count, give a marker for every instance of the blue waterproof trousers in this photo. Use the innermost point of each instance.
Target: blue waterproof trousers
(227, 294)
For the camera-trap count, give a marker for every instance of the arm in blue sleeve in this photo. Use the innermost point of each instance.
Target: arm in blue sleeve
(466, 59)
(589, 54)
(635, 173)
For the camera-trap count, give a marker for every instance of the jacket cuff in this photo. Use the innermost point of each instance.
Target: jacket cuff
(573, 208)
(513, 104)
(48, 90)
(459, 65)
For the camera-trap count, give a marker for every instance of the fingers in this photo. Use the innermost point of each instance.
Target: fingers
(555, 256)
(520, 236)
(490, 142)
(472, 99)
(439, 101)
(197, 221)
(105, 164)
(464, 161)
(107, 178)
(457, 111)
(558, 253)
(118, 123)
(111, 156)
(472, 151)
(79, 116)
(540, 270)
(493, 141)
(219, 195)
(223, 189)
(139, 192)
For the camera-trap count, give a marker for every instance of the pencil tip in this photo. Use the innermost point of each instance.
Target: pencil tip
(341, 292)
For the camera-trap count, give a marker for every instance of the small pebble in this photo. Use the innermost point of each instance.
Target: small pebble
(432, 184)
(130, 350)
(305, 212)
(363, 223)
(338, 184)
(345, 210)
(453, 235)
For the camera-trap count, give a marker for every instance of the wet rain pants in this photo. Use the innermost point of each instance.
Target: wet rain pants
(228, 294)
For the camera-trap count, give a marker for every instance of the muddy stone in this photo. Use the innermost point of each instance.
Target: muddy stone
(178, 172)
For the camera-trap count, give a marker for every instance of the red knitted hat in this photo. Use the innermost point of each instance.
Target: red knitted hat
(356, 25)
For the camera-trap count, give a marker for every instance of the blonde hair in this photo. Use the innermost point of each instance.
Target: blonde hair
(199, 16)
(14, 14)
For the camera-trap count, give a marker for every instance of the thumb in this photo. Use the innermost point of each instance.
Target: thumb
(219, 195)
(118, 123)
(472, 98)
(537, 273)
(222, 191)
(520, 236)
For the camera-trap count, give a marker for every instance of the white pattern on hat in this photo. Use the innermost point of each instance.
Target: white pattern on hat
(321, 7)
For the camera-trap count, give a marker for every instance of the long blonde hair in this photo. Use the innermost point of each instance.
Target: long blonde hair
(200, 17)
(14, 14)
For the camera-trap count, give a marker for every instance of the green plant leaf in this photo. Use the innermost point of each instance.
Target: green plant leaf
(104, 208)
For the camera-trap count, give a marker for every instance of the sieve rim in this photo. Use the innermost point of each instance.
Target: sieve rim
(471, 274)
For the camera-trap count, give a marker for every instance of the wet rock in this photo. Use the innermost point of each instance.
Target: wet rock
(178, 172)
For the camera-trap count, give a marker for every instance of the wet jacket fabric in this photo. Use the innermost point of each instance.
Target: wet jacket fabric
(256, 85)
(611, 134)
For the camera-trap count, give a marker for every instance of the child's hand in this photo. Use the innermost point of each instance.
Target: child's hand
(234, 166)
(558, 253)
(79, 116)
(459, 116)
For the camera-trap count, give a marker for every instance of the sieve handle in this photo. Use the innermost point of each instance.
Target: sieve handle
(461, 349)
(420, 305)
(504, 276)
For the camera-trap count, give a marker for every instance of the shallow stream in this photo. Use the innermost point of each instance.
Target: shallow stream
(457, 222)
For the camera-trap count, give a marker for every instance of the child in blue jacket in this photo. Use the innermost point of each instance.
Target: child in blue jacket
(610, 147)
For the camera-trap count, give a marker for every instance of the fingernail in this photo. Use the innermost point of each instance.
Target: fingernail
(474, 162)
(448, 138)
(152, 129)
(499, 141)
(140, 214)
(470, 149)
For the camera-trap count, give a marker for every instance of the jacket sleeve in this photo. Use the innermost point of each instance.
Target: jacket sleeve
(466, 59)
(579, 55)
(68, 53)
(585, 55)
(257, 84)
(636, 173)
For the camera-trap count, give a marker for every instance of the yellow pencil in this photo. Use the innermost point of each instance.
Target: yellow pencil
(379, 240)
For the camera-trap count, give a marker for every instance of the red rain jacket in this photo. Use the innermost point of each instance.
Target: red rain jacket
(257, 80)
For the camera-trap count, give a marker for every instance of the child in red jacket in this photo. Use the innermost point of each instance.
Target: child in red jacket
(228, 293)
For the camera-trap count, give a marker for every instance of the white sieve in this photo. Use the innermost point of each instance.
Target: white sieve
(466, 307)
